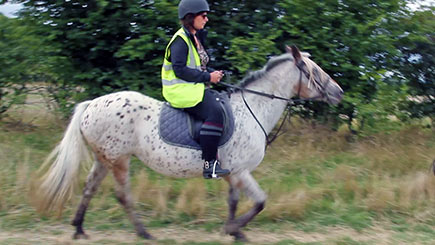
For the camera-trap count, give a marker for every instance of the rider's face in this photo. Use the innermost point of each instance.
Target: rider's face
(200, 20)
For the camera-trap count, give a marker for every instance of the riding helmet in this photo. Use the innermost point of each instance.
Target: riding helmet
(192, 7)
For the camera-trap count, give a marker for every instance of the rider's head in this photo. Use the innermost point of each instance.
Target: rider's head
(189, 9)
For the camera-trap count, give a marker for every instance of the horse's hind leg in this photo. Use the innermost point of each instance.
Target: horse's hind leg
(233, 200)
(94, 179)
(250, 187)
(120, 172)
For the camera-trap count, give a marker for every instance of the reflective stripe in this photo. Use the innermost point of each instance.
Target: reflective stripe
(210, 133)
(210, 127)
(167, 67)
(178, 92)
(173, 82)
(193, 60)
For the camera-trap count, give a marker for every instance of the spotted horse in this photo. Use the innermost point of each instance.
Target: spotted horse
(117, 126)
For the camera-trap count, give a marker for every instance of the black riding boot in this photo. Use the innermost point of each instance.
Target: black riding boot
(212, 170)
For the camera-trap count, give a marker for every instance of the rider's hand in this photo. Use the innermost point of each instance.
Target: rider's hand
(216, 76)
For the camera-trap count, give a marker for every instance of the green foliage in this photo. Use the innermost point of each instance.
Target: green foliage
(417, 61)
(383, 113)
(14, 63)
(104, 46)
(254, 50)
(27, 58)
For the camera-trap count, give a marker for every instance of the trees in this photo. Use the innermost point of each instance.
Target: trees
(24, 58)
(104, 46)
(417, 61)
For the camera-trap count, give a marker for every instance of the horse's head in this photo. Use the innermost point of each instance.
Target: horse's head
(314, 83)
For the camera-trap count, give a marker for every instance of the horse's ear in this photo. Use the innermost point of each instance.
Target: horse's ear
(295, 52)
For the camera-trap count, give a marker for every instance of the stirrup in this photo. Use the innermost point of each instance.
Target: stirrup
(216, 171)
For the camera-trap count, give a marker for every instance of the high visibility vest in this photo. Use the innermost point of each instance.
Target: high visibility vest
(180, 93)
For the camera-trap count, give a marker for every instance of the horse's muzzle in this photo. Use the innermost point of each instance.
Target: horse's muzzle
(334, 93)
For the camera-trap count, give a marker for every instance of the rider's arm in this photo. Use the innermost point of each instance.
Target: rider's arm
(179, 51)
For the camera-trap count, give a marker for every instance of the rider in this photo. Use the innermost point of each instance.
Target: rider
(184, 74)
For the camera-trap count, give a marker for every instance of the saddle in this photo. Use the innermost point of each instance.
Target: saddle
(177, 127)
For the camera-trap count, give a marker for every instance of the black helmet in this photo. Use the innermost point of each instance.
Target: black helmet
(192, 7)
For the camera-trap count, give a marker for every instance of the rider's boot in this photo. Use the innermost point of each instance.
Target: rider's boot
(212, 170)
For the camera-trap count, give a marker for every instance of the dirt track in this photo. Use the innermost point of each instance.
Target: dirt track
(174, 235)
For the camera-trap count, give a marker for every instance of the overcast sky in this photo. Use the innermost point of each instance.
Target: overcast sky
(9, 9)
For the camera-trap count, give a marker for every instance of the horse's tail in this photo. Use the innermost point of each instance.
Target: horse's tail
(56, 186)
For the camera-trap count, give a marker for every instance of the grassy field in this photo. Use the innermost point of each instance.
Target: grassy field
(324, 187)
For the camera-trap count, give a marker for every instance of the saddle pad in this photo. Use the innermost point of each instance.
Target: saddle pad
(175, 126)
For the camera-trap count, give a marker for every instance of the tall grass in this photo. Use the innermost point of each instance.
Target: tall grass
(310, 173)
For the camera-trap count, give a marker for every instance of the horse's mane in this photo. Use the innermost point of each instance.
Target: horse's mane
(312, 68)
(273, 62)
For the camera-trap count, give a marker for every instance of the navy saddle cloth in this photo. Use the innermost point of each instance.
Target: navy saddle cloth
(177, 127)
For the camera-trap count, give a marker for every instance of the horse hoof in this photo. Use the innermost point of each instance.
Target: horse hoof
(78, 236)
(146, 235)
(231, 228)
(239, 237)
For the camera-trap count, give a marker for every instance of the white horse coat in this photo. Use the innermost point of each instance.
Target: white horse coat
(119, 125)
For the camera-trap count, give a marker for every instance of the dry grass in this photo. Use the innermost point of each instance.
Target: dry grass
(192, 199)
(381, 172)
(293, 204)
(378, 173)
(2, 191)
(154, 196)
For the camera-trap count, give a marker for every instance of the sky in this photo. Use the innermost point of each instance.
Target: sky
(9, 9)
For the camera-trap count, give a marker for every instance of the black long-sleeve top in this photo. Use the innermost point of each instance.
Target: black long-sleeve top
(178, 57)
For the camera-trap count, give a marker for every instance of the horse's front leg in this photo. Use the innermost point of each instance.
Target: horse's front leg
(123, 194)
(94, 179)
(250, 187)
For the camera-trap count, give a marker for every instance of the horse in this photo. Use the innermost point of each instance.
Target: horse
(116, 126)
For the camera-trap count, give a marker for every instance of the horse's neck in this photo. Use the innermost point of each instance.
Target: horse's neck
(279, 81)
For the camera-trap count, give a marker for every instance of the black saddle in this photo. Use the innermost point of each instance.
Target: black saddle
(177, 127)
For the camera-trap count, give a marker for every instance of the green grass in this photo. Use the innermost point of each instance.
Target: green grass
(315, 179)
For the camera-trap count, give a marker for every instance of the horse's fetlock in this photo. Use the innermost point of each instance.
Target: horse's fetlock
(232, 227)
(261, 205)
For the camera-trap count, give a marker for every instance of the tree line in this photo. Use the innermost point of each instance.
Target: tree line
(380, 52)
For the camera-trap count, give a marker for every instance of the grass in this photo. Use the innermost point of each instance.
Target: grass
(315, 178)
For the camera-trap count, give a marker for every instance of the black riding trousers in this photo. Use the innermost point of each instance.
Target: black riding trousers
(211, 112)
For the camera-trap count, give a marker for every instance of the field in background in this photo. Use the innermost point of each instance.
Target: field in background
(324, 187)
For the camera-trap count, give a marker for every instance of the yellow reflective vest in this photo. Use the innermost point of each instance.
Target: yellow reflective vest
(180, 93)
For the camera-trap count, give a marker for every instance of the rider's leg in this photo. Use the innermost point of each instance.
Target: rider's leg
(211, 112)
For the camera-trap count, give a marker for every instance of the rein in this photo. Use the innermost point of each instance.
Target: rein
(290, 102)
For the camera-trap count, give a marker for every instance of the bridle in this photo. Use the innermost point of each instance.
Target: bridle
(290, 102)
